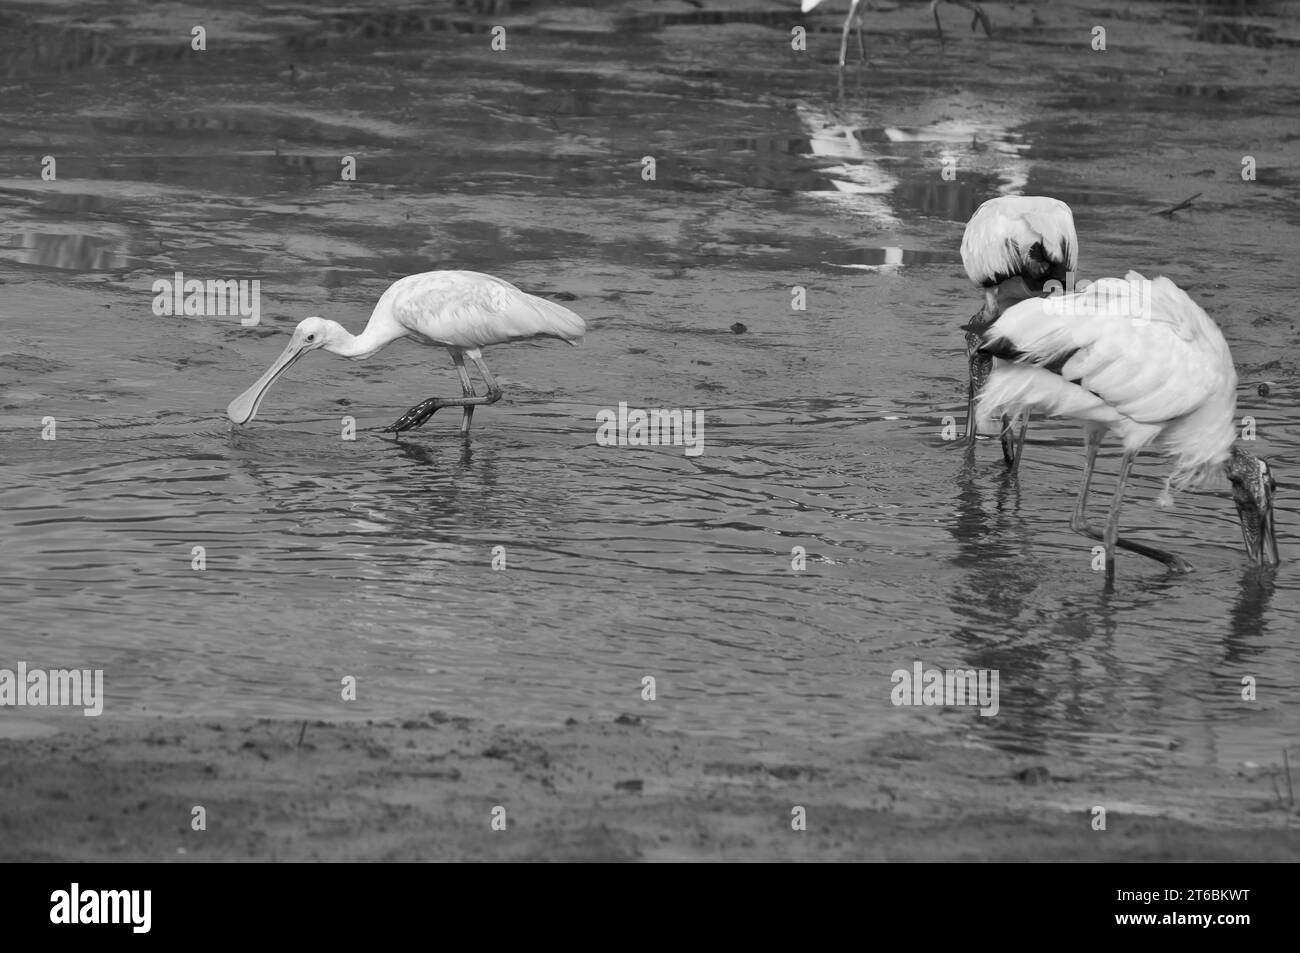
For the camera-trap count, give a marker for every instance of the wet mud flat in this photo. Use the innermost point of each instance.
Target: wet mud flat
(429, 788)
(424, 787)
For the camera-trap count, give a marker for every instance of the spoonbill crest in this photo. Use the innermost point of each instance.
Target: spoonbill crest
(462, 311)
(1139, 359)
(1013, 246)
(980, 17)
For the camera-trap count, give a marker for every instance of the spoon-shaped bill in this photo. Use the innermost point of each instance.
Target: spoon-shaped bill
(244, 407)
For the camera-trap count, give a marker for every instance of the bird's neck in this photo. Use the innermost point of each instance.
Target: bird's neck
(360, 346)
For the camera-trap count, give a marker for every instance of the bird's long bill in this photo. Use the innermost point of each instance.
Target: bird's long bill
(1257, 531)
(244, 407)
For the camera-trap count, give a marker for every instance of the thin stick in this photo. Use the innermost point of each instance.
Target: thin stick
(1180, 206)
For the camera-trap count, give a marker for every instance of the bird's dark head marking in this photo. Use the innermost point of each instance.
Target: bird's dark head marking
(1253, 486)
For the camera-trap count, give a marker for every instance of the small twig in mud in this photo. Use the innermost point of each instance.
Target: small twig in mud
(301, 734)
(1180, 206)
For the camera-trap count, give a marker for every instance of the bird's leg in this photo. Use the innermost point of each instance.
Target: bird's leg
(1011, 450)
(426, 409)
(980, 17)
(494, 390)
(467, 413)
(1174, 562)
(844, 36)
(862, 50)
(416, 415)
(934, 9)
(1110, 538)
(1111, 534)
(1079, 521)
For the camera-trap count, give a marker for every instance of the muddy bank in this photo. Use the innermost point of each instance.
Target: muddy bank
(425, 790)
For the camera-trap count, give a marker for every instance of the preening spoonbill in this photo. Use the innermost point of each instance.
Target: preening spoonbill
(1140, 359)
(980, 17)
(462, 311)
(1013, 246)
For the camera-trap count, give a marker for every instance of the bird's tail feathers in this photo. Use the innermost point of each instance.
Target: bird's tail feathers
(558, 320)
(1199, 451)
(1012, 388)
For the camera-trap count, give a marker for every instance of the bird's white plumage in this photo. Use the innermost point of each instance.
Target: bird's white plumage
(1149, 364)
(1000, 234)
(469, 310)
(462, 311)
(809, 4)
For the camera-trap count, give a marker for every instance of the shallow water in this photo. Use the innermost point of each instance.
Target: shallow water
(373, 558)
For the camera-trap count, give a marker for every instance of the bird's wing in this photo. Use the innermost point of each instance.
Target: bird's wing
(1019, 235)
(1144, 347)
(809, 4)
(471, 310)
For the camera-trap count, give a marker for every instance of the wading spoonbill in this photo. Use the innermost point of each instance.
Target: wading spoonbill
(1139, 359)
(462, 311)
(1013, 246)
(980, 17)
